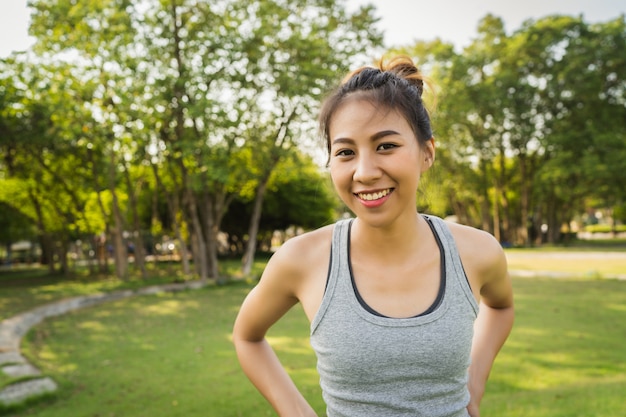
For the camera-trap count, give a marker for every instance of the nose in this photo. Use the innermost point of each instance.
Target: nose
(366, 170)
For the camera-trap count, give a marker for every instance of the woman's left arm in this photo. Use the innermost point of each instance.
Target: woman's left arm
(494, 321)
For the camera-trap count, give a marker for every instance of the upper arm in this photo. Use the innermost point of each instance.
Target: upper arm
(269, 300)
(496, 290)
(273, 296)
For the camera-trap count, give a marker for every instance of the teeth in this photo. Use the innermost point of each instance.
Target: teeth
(373, 196)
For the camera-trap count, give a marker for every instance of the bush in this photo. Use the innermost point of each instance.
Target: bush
(604, 228)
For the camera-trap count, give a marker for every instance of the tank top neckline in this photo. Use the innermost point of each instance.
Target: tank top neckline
(442, 277)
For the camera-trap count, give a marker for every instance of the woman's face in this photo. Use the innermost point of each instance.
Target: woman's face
(376, 161)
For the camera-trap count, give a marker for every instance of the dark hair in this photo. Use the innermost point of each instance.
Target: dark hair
(397, 85)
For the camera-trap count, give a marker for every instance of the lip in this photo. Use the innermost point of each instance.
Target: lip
(374, 202)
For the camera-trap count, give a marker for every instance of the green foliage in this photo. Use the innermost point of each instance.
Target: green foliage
(14, 225)
(529, 125)
(298, 195)
(209, 95)
(184, 108)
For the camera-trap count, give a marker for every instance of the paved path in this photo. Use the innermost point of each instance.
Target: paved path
(14, 365)
(565, 257)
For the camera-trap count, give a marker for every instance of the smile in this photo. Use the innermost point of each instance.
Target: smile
(374, 196)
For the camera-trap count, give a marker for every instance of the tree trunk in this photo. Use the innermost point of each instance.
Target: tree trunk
(212, 248)
(119, 249)
(138, 252)
(173, 205)
(552, 220)
(199, 255)
(102, 253)
(496, 213)
(174, 208)
(613, 220)
(253, 229)
(484, 207)
(281, 137)
(63, 258)
(47, 251)
(215, 205)
(524, 200)
(503, 225)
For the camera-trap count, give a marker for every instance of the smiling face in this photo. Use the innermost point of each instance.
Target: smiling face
(376, 161)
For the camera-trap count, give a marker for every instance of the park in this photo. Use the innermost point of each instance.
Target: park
(155, 155)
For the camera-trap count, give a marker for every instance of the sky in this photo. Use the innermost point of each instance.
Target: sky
(456, 21)
(403, 21)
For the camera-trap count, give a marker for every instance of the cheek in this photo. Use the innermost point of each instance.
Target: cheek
(339, 176)
(334, 177)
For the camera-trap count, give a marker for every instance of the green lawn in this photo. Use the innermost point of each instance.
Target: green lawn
(163, 355)
(171, 355)
(566, 356)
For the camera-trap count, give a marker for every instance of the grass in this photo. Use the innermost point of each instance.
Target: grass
(565, 356)
(163, 355)
(171, 355)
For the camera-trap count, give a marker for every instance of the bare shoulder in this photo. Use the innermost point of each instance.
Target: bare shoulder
(299, 268)
(295, 273)
(476, 245)
(300, 252)
(482, 256)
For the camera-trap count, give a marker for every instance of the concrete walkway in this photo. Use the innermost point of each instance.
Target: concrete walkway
(13, 364)
(566, 258)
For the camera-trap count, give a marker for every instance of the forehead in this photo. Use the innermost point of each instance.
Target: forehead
(358, 115)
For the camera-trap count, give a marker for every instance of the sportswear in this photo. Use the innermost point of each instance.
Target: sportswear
(376, 366)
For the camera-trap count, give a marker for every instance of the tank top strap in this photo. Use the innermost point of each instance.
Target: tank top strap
(454, 265)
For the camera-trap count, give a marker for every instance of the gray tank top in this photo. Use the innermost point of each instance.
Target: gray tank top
(372, 365)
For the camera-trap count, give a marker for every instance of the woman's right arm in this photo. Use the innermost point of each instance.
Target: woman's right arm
(264, 305)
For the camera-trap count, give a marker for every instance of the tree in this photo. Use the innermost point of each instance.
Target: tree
(259, 79)
(14, 226)
(291, 63)
(530, 122)
(582, 95)
(298, 195)
(41, 160)
(185, 86)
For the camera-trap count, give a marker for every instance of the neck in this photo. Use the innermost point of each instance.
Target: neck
(394, 241)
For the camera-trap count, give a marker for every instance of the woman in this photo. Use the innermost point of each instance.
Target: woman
(392, 296)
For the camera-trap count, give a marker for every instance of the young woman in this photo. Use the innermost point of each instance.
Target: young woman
(407, 311)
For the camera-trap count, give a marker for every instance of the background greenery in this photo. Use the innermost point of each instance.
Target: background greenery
(135, 133)
(192, 123)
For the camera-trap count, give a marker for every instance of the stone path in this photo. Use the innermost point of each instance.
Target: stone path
(565, 257)
(13, 364)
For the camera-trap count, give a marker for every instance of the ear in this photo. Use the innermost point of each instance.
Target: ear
(429, 154)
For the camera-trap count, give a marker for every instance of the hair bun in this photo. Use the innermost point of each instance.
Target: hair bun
(403, 67)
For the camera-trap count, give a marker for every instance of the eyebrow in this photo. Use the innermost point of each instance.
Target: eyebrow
(376, 136)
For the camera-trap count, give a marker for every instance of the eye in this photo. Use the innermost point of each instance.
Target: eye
(344, 152)
(386, 146)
